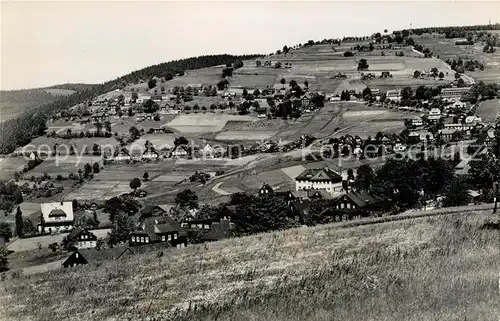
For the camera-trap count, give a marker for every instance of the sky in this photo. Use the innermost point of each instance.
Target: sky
(46, 43)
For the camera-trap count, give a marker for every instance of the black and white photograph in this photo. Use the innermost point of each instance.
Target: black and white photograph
(249, 160)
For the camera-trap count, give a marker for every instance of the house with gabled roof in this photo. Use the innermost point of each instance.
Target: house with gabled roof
(319, 178)
(265, 189)
(158, 230)
(84, 239)
(89, 256)
(56, 217)
(123, 155)
(360, 200)
(150, 154)
(180, 151)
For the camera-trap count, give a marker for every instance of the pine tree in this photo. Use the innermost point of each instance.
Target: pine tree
(19, 222)
(121, 228)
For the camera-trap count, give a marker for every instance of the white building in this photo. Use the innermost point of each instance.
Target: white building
(435, 112)
(123, 155)
(456, 92)
(56, 217)
(83, 239)
(417, 121)
(150, 154)
(393, 95)
(319, 178)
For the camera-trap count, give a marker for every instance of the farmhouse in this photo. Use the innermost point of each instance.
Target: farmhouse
(319, 178)
(454, 92)
(417, 121)
(435, 112)
(261, 112)
(123, 155)
(265, 189)
(180, 151)
(434, 119)
(219, 231)
(150, 154)
(84, 239)
(420, 136)
(447, 133)
(155, 210)
(87, 256)
(393, 95)
(158, 230)
(56, 217)
(357, 201)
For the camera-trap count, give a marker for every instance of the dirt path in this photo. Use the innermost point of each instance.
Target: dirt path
(216, 188)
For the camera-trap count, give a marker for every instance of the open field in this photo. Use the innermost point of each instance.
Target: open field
(446, 49)
(245, 135)
(10, 165)
(488, 110)
(159, 141)
(122, 126)
(423, 268)
(199, 123)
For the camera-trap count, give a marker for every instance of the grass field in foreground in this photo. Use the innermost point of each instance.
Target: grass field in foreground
(434, 268)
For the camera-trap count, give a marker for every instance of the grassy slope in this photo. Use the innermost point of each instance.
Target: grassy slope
(440, 268)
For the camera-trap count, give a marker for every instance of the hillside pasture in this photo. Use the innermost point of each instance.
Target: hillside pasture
(487, 110)
(205, 123)
(251, 79)
(10, 165)
(245, 135)
(159, 141)
(421, 268)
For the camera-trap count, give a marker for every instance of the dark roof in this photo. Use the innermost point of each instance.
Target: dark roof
(151, 209)
(154, 227)
(93, 255)
(218, 231)
(77, 231)
(57, 213)
(319, 174)
(362, 198)
(2, 241)
(266, 186)
(322, 193)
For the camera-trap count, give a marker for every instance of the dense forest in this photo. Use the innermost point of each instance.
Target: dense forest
(20, 130)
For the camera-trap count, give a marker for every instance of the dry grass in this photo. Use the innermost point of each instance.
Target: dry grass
(434, 268)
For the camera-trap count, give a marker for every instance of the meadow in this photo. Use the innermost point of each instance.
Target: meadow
(428, 268)
(488, 110)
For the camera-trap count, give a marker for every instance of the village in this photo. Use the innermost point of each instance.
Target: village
(165, 162)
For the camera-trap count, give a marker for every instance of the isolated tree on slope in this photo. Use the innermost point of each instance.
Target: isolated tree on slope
(135, 184)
